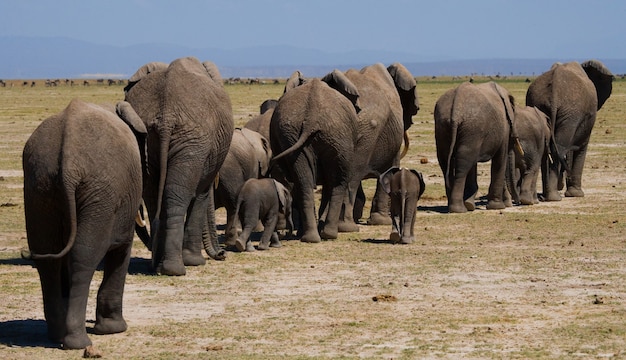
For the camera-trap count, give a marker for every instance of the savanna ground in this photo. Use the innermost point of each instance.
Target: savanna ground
(543, 281)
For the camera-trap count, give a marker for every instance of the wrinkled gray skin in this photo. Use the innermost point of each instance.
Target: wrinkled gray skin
(265, 200)
(534, 134)
(261, 122)
(190, 126)
(570, 95)
(388, 101)
(405, 187)
(474, 123)
(248, 158)
(304, 133)
(82, 189)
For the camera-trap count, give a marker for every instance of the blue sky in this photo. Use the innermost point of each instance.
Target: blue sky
(434, 29)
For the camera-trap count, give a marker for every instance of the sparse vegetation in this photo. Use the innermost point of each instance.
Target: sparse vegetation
(543, 281)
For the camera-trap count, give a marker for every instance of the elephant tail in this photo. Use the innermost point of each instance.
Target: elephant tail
(71, 204)
(554, 147)
(299, 144)
(405, 150)
(453, 134)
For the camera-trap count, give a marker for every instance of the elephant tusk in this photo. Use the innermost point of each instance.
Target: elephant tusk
(139, 220)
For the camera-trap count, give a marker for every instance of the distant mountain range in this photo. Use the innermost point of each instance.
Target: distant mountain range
(43, 58)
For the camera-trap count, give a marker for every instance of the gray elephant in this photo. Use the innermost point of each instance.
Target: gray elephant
(388, 100)
(570, 95)
(82, 190)
(534, 134)
(248, 158)
(475, 123)
(265, 200)
(190, 125)
(405, 187)
(261, 122)
(313, 132)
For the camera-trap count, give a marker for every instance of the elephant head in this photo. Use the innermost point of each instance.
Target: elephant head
(601, 77)
(296, 79)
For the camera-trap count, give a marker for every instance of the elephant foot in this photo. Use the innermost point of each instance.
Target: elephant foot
(460, 208)
(328, 233)
(574, 192)
(109, 326)
(230, 241)
(311, 237)
(394, 237)
(551, 196)
(193, 258)
(171, 268)
(347, 226)
(75, 341)
(241, 245)
(377, 218)
(263, 247)
(495, 205)
(276, 244)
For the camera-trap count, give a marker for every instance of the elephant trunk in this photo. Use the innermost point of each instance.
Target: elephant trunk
(209, 233)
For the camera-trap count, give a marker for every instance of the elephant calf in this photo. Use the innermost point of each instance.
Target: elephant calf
(265, 200)
(405, 187)
(82, 190)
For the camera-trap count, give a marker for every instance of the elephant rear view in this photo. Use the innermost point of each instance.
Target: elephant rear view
(313, 133)
(405, 187)
(474, 123)
(190, 125)
(82, 190)
(570, 95)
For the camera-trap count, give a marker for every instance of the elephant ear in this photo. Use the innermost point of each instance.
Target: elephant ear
(340, 82)
(601, 77)
(385, 179)
(267, 105)
(296, 79)
(407, 89)
(213, 72)
(421, 180)
(144, 71)
(508, 101)
(282, 195)
(126, 112)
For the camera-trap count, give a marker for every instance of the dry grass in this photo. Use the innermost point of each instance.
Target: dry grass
(545, 281)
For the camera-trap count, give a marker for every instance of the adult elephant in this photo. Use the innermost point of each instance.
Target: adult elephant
(248, 157)
(388, 100)
(190, 125)
(570, 95)
(82, 190)
(475, 123)
(313, 132)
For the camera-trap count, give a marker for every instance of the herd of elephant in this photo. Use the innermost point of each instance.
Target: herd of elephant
(171, 148)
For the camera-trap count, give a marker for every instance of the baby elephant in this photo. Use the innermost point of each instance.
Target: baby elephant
(265, 200)
(405, 187)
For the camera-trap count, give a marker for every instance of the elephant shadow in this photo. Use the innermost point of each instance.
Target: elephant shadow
(17, 262)
(140, 266)
(26, 333)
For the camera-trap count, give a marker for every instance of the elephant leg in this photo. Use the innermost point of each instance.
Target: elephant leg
(233, 228)
(305, 197)
(171, 235)
(495, 199)
(461, 189)
(194, 225)
(269, 229)
(248, 217)
(550, 178)
(329, 227)
(379, 214)
(55, 290)
(574, 178)
(109, 319)
(346, 220)
(275, 240)
(408, 220)
(359, 204)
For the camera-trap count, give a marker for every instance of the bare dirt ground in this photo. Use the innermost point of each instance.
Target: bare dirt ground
(542, 281)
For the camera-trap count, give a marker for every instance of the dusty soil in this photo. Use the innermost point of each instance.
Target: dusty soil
(542, 281)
